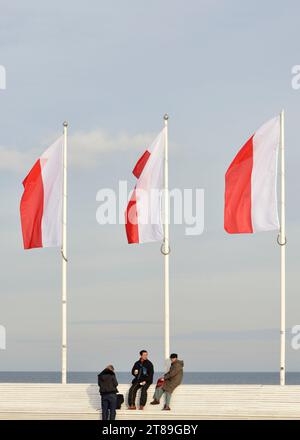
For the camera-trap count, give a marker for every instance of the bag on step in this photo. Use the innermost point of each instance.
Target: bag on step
(120, 400)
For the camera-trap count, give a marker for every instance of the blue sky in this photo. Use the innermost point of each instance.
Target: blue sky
(112, 69)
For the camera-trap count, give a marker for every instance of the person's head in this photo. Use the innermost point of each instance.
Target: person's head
(144, 354)
(173, 357)
(110, 367)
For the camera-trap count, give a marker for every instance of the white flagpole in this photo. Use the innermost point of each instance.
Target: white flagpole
(282, 257)
(166, 246)
(64, 261)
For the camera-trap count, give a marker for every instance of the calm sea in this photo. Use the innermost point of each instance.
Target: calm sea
(123, 377)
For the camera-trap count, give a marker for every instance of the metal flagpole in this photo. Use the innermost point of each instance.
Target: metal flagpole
(166, 246)
(64, 261)
(282, 242)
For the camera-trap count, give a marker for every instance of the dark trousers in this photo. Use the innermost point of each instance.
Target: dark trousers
(108, 405)
(132, 393)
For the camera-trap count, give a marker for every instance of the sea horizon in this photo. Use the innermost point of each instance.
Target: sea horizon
(190, 377)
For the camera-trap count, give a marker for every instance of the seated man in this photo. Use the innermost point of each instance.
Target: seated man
(170, 381)
(143, 378)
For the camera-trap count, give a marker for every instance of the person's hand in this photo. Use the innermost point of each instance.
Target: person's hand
(143, 383)
(136, 372)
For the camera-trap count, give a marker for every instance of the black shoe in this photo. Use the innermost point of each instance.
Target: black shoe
(155, 402)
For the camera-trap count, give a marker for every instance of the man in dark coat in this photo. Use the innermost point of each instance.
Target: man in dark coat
(108, 390)
(143, 377)
(170, 381)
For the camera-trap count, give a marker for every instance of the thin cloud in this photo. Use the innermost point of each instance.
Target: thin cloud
(113, 322)
(14, 160)
(84, 148)
(253, 334)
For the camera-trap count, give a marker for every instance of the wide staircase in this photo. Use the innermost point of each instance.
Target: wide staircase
(82, 401)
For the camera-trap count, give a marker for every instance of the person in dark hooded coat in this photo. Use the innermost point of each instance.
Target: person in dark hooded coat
(108, 390)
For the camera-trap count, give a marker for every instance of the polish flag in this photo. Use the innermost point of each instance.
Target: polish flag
(41, 203)
(143, 214)
(250, 183)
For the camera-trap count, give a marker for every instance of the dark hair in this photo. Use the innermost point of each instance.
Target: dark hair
(110, 367)
(173, 356)
(143, 351)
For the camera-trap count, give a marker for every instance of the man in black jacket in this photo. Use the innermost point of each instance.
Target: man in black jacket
(143, 378)
(108, 390)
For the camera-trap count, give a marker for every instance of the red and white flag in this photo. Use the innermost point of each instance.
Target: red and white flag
(143, 214)
(250, 183)
(41, 203)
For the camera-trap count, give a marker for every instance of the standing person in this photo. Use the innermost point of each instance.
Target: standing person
(107, 382)
(143, 377)
(170, 381)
